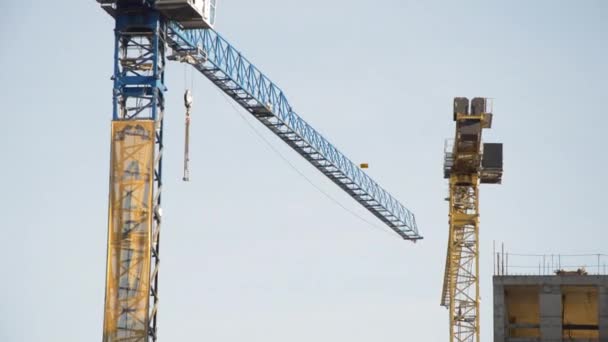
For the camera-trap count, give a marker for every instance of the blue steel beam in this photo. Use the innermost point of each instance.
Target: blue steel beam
(227, 68)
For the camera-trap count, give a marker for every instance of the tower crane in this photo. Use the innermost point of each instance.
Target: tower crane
(467, 163)
(145, 32)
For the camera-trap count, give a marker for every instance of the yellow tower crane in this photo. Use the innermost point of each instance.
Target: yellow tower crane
(467, 163)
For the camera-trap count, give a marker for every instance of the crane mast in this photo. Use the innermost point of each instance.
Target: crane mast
(135, 214)
(467, 163)
(144, 31)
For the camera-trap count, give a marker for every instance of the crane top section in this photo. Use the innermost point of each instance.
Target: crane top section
(467, 154)
(191, 14)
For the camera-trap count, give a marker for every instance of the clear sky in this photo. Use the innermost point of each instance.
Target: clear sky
(250, 250)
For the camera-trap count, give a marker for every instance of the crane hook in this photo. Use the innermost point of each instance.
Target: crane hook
(188, 105)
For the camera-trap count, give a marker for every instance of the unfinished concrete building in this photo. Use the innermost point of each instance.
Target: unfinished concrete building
(571, 306)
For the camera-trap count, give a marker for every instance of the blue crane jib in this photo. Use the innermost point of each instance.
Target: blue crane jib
(229, 70)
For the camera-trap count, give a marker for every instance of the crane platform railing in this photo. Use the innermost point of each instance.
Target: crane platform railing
(228, 69)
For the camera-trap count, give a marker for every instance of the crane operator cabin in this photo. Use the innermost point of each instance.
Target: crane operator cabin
(192, 14)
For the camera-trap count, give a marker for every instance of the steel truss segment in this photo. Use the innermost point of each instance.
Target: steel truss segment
(461, 287)
(138, 108)
(227, 68)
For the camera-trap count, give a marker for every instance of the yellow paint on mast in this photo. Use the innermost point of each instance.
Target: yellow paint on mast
(128, 275)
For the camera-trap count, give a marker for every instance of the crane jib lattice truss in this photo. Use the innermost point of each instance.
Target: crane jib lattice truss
(143, 33)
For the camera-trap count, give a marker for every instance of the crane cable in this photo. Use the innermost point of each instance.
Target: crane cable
(290, 164)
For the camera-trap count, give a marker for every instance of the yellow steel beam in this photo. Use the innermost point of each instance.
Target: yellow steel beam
(463, 259)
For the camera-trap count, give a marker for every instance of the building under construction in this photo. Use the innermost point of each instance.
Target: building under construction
(566, 306)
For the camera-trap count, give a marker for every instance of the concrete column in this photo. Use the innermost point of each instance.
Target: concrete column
(500, 313)
(603, 312)
(550, 313)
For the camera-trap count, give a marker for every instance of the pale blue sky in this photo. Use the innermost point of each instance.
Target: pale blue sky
(250, 250)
